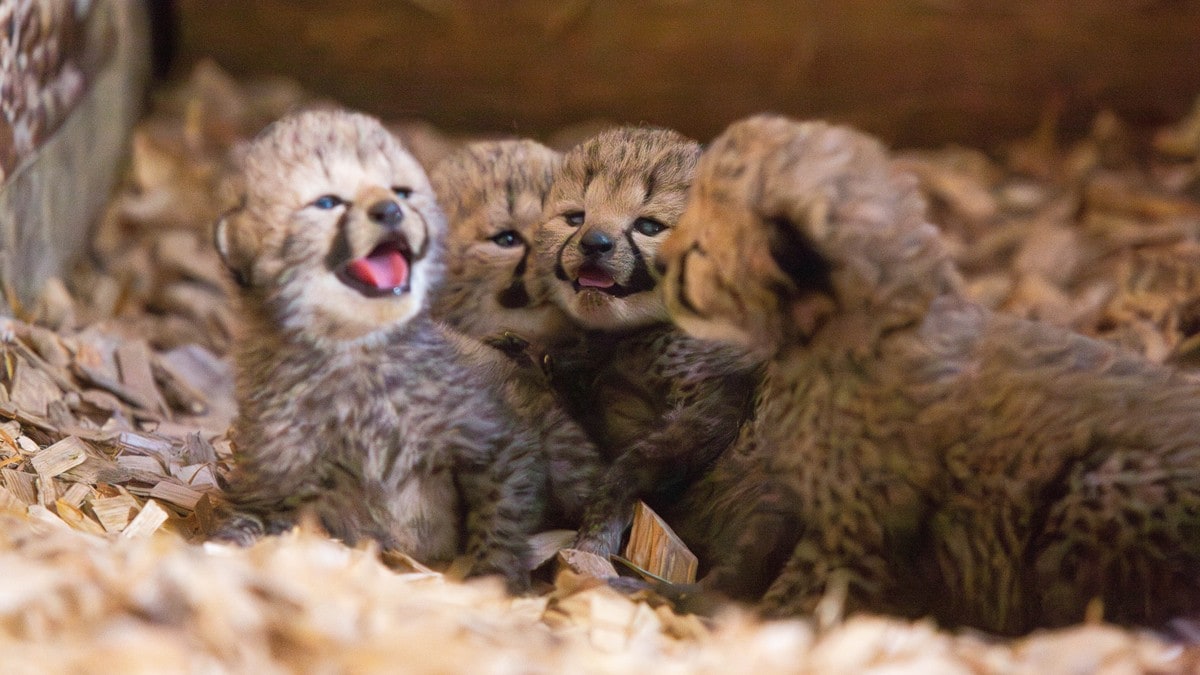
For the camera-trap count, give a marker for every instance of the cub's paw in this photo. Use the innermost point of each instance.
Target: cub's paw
(515, 347)
(241, 529)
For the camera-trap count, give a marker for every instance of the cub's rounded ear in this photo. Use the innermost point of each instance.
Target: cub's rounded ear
(237, 253)
(793, 249)
(809, 298)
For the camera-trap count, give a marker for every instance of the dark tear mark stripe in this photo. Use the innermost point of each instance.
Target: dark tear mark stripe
(640, 279)
(425, 242)
(516, 295)
(425, 237)
(519, 270)
(339, 253)
(559, 271)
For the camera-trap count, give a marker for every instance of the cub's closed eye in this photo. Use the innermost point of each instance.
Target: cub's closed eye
(648, 226)
(328, 202)
(403, 192)
(574, 218)
(507, 239)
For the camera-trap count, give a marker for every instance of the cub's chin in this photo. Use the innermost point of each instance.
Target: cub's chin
(329, 308)
(600, 310)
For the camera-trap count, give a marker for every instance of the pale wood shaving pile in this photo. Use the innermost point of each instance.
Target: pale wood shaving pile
(83, 603)
(1102, 236)
(115, 395)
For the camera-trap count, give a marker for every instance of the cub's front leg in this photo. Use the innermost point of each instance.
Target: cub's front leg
(674, 452)
(505, 501)
(846, 558)
(259, 503)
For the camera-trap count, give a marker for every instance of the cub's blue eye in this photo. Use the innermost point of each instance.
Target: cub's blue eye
(574, 218)
(327, 202)
(402, 192)
(507, 239)
(648, 226)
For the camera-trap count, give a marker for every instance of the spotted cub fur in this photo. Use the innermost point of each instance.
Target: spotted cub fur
(493, 194)
(662, 404)
(353, 403)
(923, 455)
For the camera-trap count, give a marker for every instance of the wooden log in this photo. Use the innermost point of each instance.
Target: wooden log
(915, 71)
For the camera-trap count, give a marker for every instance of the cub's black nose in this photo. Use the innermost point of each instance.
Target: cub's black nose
(387, 213)
(595, 243)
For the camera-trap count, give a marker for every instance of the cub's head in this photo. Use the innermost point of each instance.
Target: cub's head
(791, 224)
(611, 205)
(335, 229)
(493, 194)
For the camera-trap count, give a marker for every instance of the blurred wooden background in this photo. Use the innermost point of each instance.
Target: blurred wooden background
(919, 72)
(72, 80)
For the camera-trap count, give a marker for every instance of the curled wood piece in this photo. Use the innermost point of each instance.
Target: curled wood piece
(586, 564)
(654, 547)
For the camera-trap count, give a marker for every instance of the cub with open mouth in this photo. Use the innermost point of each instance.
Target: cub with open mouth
(660, 404)
(610, 206)
(353, 403)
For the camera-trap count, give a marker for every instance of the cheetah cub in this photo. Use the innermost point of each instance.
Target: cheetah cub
(661, 404)
(922, 454)
(493, 193)
(353, 403)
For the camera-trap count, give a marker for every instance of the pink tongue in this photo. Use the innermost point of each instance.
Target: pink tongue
(383, 270)
(595, 278)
